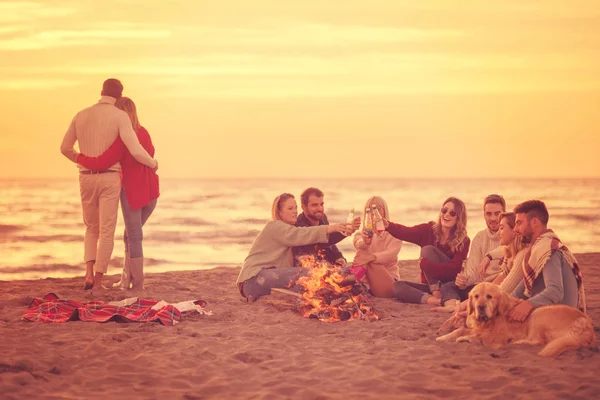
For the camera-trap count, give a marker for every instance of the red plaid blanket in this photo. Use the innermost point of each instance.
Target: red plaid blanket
(54, 310)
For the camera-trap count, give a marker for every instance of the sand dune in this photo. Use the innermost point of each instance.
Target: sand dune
(267, 351)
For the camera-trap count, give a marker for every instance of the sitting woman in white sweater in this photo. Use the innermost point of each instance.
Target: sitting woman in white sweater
(269, 262)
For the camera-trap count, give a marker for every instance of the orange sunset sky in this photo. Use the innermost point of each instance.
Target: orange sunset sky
(324, 88)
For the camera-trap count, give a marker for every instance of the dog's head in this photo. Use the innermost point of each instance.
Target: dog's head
(487, 301)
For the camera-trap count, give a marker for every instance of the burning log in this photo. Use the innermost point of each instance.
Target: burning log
(326, 298)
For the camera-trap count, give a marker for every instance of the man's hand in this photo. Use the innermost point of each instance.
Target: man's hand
(520, 312)
(461, 281)
(482, 267)
(355, 224)
(341, 262)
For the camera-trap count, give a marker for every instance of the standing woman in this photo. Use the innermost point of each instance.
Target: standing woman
(139, 194)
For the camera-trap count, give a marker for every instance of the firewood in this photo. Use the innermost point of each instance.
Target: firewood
(289, 292)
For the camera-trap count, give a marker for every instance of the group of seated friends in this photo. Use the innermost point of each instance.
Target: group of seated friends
(516, 251)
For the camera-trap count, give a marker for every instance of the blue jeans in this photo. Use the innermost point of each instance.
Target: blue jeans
(134, 220)
(268, 278)
(418, 293)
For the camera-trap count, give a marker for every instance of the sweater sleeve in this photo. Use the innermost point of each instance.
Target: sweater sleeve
(497, 253)
(334, 238)
(446, 271)
(475, 257)
(553, 291)
(358, 241)
(290, 235)
(418, 234)
(68, 143)
(390, 254)
(104, 161)
(514, 277)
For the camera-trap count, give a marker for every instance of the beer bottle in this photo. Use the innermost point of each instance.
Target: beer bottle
(368, 224)
(379, 226)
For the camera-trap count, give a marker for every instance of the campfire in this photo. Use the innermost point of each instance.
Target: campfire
(326, 298)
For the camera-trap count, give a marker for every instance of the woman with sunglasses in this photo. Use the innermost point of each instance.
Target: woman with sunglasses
(444, 246)
(270, 262)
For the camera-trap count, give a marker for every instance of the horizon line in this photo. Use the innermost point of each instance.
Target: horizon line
(332, 178)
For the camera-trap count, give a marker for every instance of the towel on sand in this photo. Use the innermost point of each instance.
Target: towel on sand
(54, 310)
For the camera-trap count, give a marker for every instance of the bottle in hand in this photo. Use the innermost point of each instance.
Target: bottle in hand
(350, 217)
(368, 224)
(379, 226)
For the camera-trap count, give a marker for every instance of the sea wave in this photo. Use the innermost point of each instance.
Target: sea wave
(23, 269)
(188, 222)
(4, 229)
(257, 221)
(115, 262)
(44, 238)
(218, 237)
(201, 198)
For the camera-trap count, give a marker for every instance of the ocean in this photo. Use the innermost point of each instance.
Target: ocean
(204, 223)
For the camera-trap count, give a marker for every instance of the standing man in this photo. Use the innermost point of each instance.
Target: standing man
(95, 128)
(313, 214)
(485, 241)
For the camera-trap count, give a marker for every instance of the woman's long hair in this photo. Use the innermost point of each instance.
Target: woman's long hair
(127, 105)
(459, 231)
(516, 244)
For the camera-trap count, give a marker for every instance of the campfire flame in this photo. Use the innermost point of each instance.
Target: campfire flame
(326, 299)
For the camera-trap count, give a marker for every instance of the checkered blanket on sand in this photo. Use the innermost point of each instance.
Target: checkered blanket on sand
(54, 310)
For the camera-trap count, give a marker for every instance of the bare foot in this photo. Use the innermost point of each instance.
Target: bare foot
(447, 309)
(434, 301)
(88, 283)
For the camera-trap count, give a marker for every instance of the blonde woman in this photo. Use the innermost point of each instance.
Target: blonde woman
(444, 247)
(377, 254)
(269, 263)
(139, 194)
(509, 253)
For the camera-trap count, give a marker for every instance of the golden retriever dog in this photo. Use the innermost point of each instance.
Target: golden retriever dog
(558, 327)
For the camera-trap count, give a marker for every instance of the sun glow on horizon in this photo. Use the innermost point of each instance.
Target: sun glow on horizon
(291, 89)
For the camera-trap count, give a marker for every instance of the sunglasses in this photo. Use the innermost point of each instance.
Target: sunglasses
(445, 211)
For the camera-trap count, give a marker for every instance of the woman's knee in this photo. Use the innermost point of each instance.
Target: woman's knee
(429, 252)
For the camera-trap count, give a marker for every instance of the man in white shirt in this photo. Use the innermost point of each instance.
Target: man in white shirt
(485, 241)
(95, 128)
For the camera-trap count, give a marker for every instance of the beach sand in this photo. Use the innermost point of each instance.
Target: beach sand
(266, 351)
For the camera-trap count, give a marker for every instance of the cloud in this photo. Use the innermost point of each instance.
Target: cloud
(29, 11)
(69, 38)
(35, 84)
(316, 34)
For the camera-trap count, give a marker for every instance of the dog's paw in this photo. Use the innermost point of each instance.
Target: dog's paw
(463, 339)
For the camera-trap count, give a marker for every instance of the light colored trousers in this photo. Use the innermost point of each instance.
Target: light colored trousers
(100, 204)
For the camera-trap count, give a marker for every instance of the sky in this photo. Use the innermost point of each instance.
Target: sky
(301, 89)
